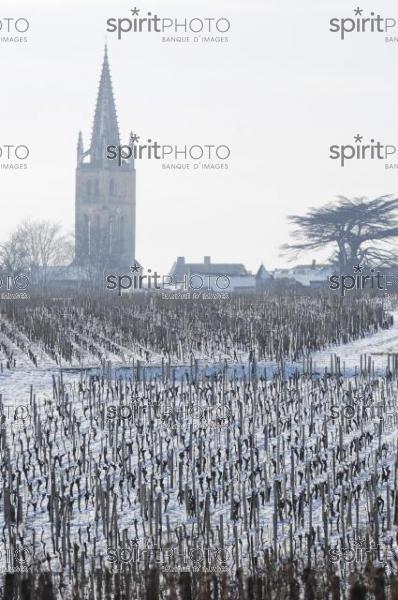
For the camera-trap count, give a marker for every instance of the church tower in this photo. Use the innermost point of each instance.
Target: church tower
(105, 191)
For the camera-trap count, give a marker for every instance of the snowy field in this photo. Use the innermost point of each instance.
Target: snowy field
(256, 467)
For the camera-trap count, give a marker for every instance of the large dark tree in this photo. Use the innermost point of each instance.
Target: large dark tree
(358, 230)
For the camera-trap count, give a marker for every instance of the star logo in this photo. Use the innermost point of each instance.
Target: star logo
(357, 269)
(135, 269)
(134, 137)
(135, 11)
(358, 138)
(358, 11)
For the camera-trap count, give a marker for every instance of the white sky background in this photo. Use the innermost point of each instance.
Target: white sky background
(279, 94)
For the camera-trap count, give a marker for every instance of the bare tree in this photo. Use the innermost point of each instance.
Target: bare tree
(13, 256)
(359, 230)
(35, 246)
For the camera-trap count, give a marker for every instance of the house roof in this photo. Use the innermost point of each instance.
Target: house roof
(231, 269)
(317, 267)
(263, 273)
(311, 266)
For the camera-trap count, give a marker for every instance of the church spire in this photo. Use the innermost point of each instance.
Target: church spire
(79, 148)
(105, 128)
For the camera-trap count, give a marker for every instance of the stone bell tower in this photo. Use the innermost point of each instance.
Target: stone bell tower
(105, 191)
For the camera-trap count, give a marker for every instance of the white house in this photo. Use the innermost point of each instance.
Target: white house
(312, 275)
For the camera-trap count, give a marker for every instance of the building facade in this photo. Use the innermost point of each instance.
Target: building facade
(105, 201)
(227, 277)
(313, 275)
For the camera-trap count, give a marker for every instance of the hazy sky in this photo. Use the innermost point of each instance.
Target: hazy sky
(279, 93)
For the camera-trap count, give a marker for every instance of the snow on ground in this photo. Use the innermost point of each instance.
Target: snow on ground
(15, 388)
(376, 345)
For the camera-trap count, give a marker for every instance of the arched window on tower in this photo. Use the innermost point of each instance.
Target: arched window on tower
(97, 233)
(86, 235)
(88, 189)
(121, 234)
(111, 234)
(112, 188)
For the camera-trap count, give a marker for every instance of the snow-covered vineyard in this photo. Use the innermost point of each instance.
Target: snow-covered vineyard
(275, 475)
(95, 332)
